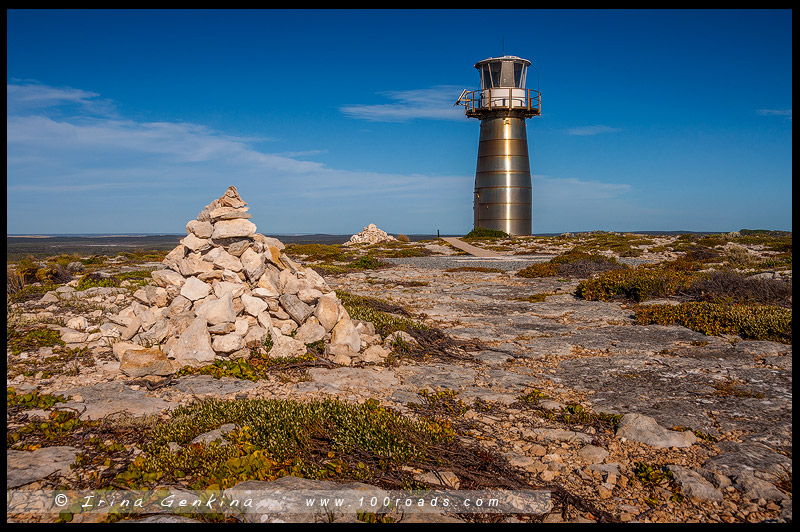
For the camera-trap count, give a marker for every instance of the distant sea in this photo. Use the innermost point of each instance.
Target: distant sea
(20, 246)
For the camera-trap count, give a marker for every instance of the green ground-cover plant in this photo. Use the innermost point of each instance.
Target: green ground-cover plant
(381, 313)
(31, 339)
(32, 399)
(55, 430)
(259, 365)
(317, 439)
(700, 434)
(533, 397)
(575, 414)
(651, 475)
(63, 361)
(754, 322)
(254, 368)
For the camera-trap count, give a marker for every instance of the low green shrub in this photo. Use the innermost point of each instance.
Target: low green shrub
(368, 262)
(637, 284)
(482, 232)
(753, 322)
(92, 280)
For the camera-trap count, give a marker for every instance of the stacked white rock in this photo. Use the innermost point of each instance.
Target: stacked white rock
(225, 289)
(370, 235)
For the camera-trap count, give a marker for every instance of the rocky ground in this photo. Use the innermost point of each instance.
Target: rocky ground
(635, 423)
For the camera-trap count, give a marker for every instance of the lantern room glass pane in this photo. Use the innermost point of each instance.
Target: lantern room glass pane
(507, 78)
(495, 71)
(519, 68)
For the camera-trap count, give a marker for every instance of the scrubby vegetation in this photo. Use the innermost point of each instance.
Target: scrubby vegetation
(483, 233)
(726, 286)
(636, 284)
(319, 439)
(572, 264)
(683, 278)
(755, 322)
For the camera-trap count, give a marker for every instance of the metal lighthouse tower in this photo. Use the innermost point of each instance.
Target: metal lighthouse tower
(503, 174)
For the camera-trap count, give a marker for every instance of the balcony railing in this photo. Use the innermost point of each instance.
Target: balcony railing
(477, 102)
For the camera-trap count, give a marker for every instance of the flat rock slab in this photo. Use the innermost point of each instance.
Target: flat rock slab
(24, 467)
(683, 386)
(635, 338)
(436, 376)
(644, 429)
(343, 379)
(749, 456)
(107, 398)
(206, 384)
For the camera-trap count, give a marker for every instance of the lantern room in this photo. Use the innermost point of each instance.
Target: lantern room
(505, 71)
(502, 89)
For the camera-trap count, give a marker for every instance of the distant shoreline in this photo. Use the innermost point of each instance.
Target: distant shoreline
(44, 245)
(331, 235)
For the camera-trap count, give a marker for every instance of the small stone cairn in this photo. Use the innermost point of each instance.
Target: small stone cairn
(370, 235)
(223, 291)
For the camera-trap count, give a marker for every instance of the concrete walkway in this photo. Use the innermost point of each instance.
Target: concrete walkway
(472, 250)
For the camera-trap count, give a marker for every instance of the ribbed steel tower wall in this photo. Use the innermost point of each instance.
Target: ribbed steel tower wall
(503, 175)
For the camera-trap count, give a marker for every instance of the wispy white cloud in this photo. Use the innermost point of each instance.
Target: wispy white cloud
(591, 130)
(775, 112)
(66, 168)
(434, 103)
(25, 97)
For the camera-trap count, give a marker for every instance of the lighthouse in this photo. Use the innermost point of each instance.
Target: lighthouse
(502, 197)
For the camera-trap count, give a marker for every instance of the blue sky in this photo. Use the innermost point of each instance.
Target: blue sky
(326, 121)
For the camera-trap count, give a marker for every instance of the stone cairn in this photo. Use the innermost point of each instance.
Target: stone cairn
(223, 291)
(370, 235)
